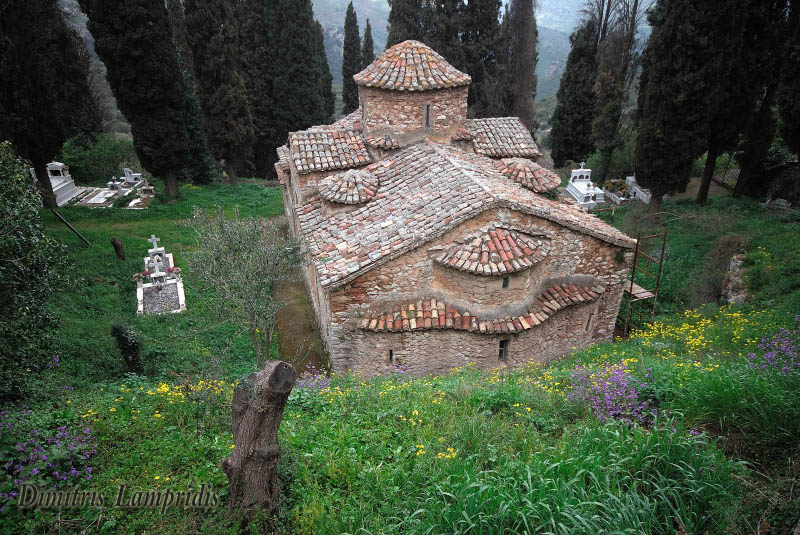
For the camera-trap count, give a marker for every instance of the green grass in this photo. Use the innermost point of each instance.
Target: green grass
(470, 452)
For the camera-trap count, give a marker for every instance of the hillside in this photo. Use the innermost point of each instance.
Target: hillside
(555, 22)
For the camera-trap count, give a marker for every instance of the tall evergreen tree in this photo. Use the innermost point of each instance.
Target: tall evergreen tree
(774, 36)
(326, 79)
(524, 36)
(367, 47)
(202, 166)
(679, 97)
(739, 51)
(351, 60)
(788, 101)
(481, 42)
(444, 34)
(44, 90)
(571, 135)
(407, 20)
(228, 120)
(257, 68)
(297, 100)
(135, 43)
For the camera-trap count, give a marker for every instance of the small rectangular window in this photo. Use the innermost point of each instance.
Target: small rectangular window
(503, 350)
(427, 115)
(391, 356)
(506, 281)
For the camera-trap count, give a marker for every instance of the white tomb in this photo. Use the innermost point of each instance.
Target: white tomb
(64, 187)
(583, 189)
(638, 191)
(164, 290)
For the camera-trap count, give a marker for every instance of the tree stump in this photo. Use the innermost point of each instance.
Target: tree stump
(258, 405)
(117, 244)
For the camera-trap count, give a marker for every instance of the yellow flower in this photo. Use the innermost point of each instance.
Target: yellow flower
(232, 446)
(112, 409)
(156, 477)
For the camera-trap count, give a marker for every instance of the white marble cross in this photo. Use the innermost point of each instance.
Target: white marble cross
(154, 240)
(156, 263)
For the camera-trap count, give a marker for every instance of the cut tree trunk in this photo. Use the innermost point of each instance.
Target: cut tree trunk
(708, 175)
(258, 405)
(117, 244)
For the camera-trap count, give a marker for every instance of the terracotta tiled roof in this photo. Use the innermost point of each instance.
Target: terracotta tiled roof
(462, 134)
(354, 186)
(495, 251)
(411, 66)
(531, 175)
(383, 142)
(323, 150)
(433, 314)
(502, 137)
(282, 166)
(425, 190)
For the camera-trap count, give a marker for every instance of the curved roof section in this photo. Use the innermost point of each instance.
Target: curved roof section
(425, 190)
(411, 66)
(435, 314)
(319, 149)
(355, 186)
(502, 137)
(529, 174)
(495, 251)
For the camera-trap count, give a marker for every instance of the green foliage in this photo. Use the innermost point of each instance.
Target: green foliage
(326, 78)
(226, 109)
(93, 161)
(351, 60)
(523, 40)
(790, 86)
(30, 266)
(406, 21)
(135, 43)
(367, 47)
(678, 95)
(571, 136)
(621, 164)
(47, 98)
(202, 167)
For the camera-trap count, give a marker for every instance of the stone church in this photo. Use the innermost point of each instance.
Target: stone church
(430, 242)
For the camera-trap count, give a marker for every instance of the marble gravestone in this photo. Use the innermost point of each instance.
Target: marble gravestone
(162, 291)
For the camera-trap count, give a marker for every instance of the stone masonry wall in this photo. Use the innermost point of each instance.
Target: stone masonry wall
(414, 276)
(400, 113)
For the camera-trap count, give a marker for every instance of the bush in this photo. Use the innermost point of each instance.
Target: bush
(622, 162)
(95, 161)
(29, 274)
(707, 287)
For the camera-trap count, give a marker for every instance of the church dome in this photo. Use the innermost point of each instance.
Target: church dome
(411, 66)
(529, 174)
(355, 186)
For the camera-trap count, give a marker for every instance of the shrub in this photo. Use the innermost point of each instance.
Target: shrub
(30, 266)
(129, 346)
(707, 287)
(95, 161)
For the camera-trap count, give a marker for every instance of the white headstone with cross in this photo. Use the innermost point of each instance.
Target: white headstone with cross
(163, 291)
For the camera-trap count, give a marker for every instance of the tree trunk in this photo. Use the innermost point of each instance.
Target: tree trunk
(171, 184)
(117, 244)
(230, 168)
(708, 174)
(654, 209)
(45, 187)
(258, 405)
(756, 146)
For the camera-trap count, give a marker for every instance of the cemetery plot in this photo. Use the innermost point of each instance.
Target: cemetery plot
(159, 287)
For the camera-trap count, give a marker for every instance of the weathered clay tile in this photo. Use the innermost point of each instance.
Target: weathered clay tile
(502, 137)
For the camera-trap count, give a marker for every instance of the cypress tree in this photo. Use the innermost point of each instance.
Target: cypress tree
(351, 60)
(326, 79)
(524, 36)
(480, 38)
(44, 90)
(788, 101)
(444, 36)
(257, 68)
(297, 100)
(367, 47)
(679, 97)
(773, 38)
(222, 92)
(571, 135)
(134, 41)
(202, 167)
(407, 20)
(738, 51)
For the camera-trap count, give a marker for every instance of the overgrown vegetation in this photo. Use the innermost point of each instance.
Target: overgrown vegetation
(646, 435)
(94, 161)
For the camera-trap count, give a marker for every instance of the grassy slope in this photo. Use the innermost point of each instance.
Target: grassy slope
(466, 453)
